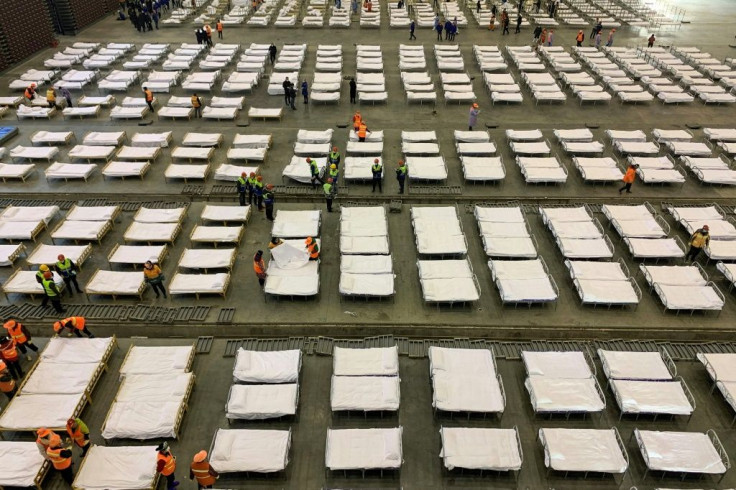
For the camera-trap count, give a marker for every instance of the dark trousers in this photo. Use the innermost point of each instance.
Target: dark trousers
(10, 394)
(29, 344)
(150, 105)
(69, 100)
(693, 253)
(198, 111)
(85, 448)
(439, 35)
(328, 200)
(261, 281)
(626, 187)
(68, 474)
(269, 212)
(352, 97)
(316, 178)
(86, 330)
(157, 287)
(69, 280)
(272, 57)
(411, 35)
(170, 480)
(287, 98)
(241, 198)
(259, 201)
(15, 370)
(56, 303)
(518, 29)
(505, 29)
(580, 43)
(380, 185)
(306, 98)
(401, 185)
(219, 34)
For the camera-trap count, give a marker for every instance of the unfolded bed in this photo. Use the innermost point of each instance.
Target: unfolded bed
(146, 360)
(78, 231)
(267, 367)
(523, 281)
(118, 468)
(246, 450)
(481, 449)
(364, 449)
(584, 450)
(296, 224)
(23, 465)
(682, 452)
(364, 393)
(115, 283)
(199, 284)
(264, 401)
(152, 232)
(366, 362)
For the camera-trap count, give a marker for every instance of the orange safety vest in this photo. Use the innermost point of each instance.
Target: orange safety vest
(16, 333)
(76, 322)
(259, 267)
(195, 101)
(9, 352)
(356, 121)
(59, 461)
(209, 31)
(580, 37)
(29, 93)
(77, 436)
(201, 472)
(311, 249)
(362, 130)
(9, 385)
(219, 27)
(149, 95)
(630, 176)
(169, 463)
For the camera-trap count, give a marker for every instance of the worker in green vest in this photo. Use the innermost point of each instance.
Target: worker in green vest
(330, 191)
(401, 172)
(241, 186)
(67, 269)
(334, 158)
(52, 292)
(314, 172)
(252, 187)
(39, 279)
(333, 173)
(377, 173)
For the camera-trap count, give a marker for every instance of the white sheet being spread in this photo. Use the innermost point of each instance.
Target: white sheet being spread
(117, 468)
(21, 463)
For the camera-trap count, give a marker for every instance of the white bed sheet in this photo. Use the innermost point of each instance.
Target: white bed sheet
(45, 378)
(117, 282)
(157, 360)
(154, 387)
(32, 411)
(459, 392)
(582, 450)
(142, 420)
(683, 452)
(355, 449)
(267, 367)
(117, 468)
(720, 367)
(258, 402)
(29, 213)
(550, 394)
(21, 463)
(79, 230)
(258, 451)
(92, 213)
(651, 397)
(566, 365)
(199, 283)
(136, 254)
(383, 361)
(655, 248)
(644, 366)
(593, 291)
(151, 232)
(679, 297)
(296, 224)
(214, 212)
(364, 393)
(475, 362)
(192, 258)
(480, 449)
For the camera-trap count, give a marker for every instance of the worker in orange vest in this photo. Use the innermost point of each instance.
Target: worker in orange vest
(629, 178)
(18, 332)
(9, 354)
(166, 464)
(79, 433)
(76, 324)
(7, 383)
(259, 266)
(363, 131)
(44, 439)
(208, 30)
(61, 457)
(312, 248)
(149, 98)
(356, 121)
(580, 38)
(219, 26)
(202, 471)
(30, 92)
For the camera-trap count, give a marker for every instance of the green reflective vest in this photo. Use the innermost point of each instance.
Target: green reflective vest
(327, 187)
(49, 287)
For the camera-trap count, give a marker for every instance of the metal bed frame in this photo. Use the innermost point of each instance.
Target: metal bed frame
(515, 473)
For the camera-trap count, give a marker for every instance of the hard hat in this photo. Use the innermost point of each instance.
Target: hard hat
(329, 180)
(200, 456)
(47, 275)
(334, 148)
(43, 432)
(475, 106)
(252, 174)
(333, 166)
(309, 160)
(10, 323)
(33, 85)
(705, 227)
(71, 422)
(55, 440)
(61, 257)
(375, 160)
(57, 327)
(43, 268)
(401, 162)
(269, 186)
(243, 174)
(259, 178)
(308, 240)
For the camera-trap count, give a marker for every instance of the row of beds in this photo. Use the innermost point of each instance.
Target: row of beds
(135, 159)
(156, 228)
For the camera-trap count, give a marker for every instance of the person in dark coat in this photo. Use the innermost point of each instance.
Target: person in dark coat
(353, 90)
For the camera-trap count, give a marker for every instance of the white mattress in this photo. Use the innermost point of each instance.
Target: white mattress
(366, 362)
(24, 282)
(230, 173)
(7, 250)
(651, 397)
(136, 254)
(449, 290)
(302, 281)
(355, 449)
(142, 420)
(45, 379)
(364, 393)
(258, 451)
(157, 360)
(480, 449)
(32, 411)
(18, 230)
(582, 450)
(267, 367)
(593, 291)
(79, 230)
(567, 365)
(69, 170)
(147, 153)
(550, 394)
(217, 234)
(689, 297)
(151, 232)
(257, 402)
(15, 171)
(198, 283)
(645, 366)
(21, 463)
(682, 452)
(604, 271)
(115, 282)
(212, 212)
(160, 140)
(296, 224)
(117, 468)
(207, 258)
(29, 213)
(154, 387)
(460, 392)
(475, 362)
(92, 213)
(370, 284)
(655, 248)
(104, 138)
(46, 137)
(673, 275)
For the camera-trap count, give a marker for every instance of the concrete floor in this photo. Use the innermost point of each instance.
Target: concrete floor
(710, 29)
(422, 468)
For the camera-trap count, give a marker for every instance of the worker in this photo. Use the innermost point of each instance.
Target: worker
(275, 242)
(219, 26)
(67, 269)
(39, 279)
(401, 172)
(272, 53)
(258, 192)
(580, 38)
(152, 275)
(61, 457)
(314, 172)
(208, 30)
(268, 200)
(51, 97)
(251, 187)
(259, 267)
(241, 186)
(166, 465)
(357, 118)
(79, 433)
(312, 248)
(629, 178)
(7, 383)
(43, 440)
(473, 116)
(333, 173)
(76, 324)
(363, 131)
(149, 98)
(202, 471)
(334, 158)
(52, 291)
(20, 334)
(377, 171)
(698, 241)
(9, 354)
(197, 105)
(330, 191)
(30, 92)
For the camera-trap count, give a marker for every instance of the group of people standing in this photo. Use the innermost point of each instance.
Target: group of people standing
(450, 28)
(145, 14)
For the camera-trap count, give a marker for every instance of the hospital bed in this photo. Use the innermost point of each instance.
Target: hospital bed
(257, 367)
(122, 112)
(217, 234)
(152, 232)
(504, 232)
(364, 230)
(29, 213)
(23, 465)
(117, 169)
(69, 171)
(136, 254)
(265, 113)
(296, 224)
(116, 283)
(226, 214)
(151, 215)
(483, 169)
(364, 449)
(682, 452)
(25, 112)
(186, 172)
(365, 393)
(438, 231)
(542, 170)
(52, 138)
(176, 112)
(220, 113)
(192, 153)
(379, 361)
(584, 451)
(260, 402)
(21, 230)
(32, 153)
(24, 282)
(89, 153)
(10, 253)
(253, 140)
(230, 173)
(81, 112)
(103, 101)
(15, 171)
(205, 259)
(76, 231)
(118, 468)
(481, 449)
(161, 140)
(250, 450)
(300, 282)
(448, 281)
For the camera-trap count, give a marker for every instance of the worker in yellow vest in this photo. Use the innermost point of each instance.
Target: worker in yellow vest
(51, 97)
(197, 104)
